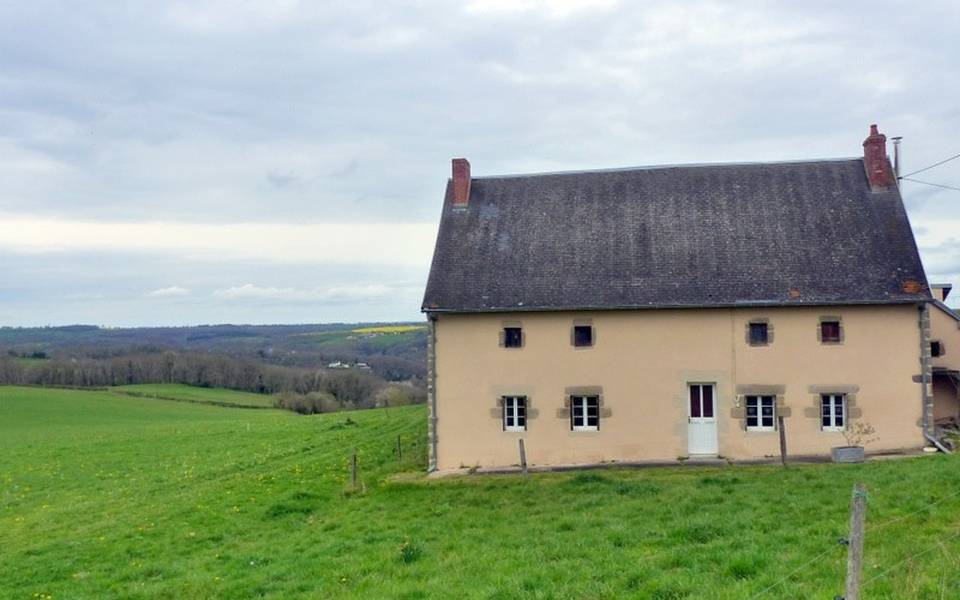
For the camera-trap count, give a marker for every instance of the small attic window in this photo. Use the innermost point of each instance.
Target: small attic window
(830, 332)
(512, 337)
(582, 335)
(936, 348)
(759, 334)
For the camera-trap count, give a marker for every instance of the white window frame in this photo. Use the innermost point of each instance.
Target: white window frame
(584, 403)
(513, 406)
(713, 400)
(759, 399)
(832, 399)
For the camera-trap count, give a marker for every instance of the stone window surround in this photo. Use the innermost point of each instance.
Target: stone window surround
(849, 393)
(497, 413)
(766, 322)
(523, 334)
(828, 318)
(739, 410)
(580, 322)
(589, 390)
(811, 410)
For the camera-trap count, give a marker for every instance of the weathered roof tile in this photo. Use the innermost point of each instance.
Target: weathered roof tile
(704, 235)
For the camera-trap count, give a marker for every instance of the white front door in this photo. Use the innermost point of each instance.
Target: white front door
(702, 419)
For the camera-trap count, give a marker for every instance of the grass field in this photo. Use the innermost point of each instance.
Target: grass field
(391, 329)
(28, 361)
(187, 393)
(110, 496)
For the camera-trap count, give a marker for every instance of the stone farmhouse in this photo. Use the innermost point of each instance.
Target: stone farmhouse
(655, 313)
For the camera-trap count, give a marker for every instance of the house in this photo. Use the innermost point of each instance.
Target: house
(646, 314)
(944, 357)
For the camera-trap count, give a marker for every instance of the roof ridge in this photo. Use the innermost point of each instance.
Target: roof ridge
(668, 166)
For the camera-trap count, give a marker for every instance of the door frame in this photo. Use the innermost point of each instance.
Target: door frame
(703, 421)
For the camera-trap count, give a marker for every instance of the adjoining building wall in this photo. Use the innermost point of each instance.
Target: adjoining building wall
(945, 329)
(641, 365)
(946, 404)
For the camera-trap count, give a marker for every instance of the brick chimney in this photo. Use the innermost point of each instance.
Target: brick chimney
(875, 160)
(461, 181)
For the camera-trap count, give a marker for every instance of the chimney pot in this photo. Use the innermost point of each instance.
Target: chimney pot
(461, 181)
(875, 160)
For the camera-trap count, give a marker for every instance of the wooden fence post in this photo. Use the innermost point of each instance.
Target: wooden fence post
(783, 441)
(858, 512)
(523, 458)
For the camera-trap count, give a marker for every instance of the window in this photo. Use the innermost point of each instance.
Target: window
(582, 335)
(936, 348)
(759, 334)
(584, 413)
(833, 412)
(512, 337)
(830, 332)
(701, 400)
(760, 411)
(514, 413)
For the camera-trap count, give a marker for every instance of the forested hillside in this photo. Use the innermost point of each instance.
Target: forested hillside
(350, 365)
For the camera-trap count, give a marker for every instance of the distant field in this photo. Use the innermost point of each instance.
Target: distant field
(368, 339)
(109, 496)
(29, 361)
(189, 393)
(390, 329)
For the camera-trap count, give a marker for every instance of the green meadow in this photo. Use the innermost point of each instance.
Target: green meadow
(106, 495)
(187, 393)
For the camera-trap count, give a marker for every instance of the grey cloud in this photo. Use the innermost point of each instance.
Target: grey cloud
(177, 112)
(115, 289)
(350, 112)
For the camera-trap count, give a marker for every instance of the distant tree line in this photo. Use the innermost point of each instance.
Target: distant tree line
(393, 357)
(330, 389)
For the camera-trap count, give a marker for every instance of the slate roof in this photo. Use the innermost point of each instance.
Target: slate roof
(789, 233)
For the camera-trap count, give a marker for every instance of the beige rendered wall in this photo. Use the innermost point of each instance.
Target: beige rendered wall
(643, 361)
(946, 329)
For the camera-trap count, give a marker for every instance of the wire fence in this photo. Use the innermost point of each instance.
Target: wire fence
(872, 529)
(925, 508)
(772, 586)
(927, 550)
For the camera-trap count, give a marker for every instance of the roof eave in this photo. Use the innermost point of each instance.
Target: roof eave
(751, 304)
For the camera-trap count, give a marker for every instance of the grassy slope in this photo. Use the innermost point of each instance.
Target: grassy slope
(108, 496)
(384, 338)
(197, 394)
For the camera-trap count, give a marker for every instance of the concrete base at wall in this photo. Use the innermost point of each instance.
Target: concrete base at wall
(691, 462)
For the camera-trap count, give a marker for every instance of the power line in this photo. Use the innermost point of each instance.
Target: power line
(946, 187)
(946, 160)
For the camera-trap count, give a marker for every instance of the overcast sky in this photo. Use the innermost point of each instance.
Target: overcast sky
(283, 161)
